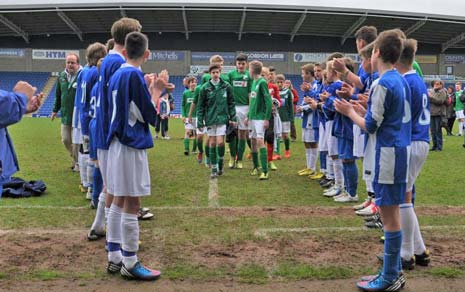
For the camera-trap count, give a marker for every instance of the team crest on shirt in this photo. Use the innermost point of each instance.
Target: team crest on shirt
(253, 94)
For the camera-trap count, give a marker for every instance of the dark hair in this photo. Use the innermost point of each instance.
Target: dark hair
(367, 34)
(272, 69)
(408, 53)
(242, 57)
(335, 55)
(281, 77)
(110, 44)
(122, 27)
(136, 44)
(389, 45)
(190, 79)
(214, 66)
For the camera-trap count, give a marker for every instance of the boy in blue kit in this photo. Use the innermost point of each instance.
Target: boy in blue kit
(413, 249)
(132, 111)
(87, 79)
(309, 135)
(110, 64)
(388, 123)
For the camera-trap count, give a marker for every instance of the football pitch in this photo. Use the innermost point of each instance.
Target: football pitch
(237, 234)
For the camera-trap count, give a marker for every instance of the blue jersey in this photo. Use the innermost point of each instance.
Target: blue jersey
(88, 77)
(388, 122)
(94, 97)
(420, 107)
(110, 64)
(131, 108)
(307, 112)
(328, 106)
(76, 123)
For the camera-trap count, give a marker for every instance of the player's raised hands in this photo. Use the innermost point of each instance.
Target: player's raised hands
(34, 103)
(346, 91)
(339, 65)
(324, 95)
(305, 86)
(25, 88)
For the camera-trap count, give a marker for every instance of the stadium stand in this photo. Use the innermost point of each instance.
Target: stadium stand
(9, 79)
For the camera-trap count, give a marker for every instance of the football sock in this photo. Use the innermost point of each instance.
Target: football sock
(392, 243)
(264, 159)
(99, 220)
(313, 158)
(130, 239)
(240, 149)
(98, 185)
(323, 155)
(186, 144)
(287, 143)
(255, 159)
(233, 148)
(114, 234)
(221, 150)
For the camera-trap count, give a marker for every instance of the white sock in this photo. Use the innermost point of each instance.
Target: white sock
(329, 167)
(82, 169)
(114, 232)
(418, 243)
(338, 174)
(308, 156)
(107, 210)
(407, 225)
(314, 156)
(369, 186)
(99, 220)
(90, 172)
(130, 239)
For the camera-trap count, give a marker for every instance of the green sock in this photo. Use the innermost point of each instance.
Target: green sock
(207, 150)
(278, 146)
(240, 149)
(233, 148)
(264, 159)
(200, 146)
(213, 160)
(221, 150)
(186, 144)
(287, 143)
(194, 145)
(255, 159)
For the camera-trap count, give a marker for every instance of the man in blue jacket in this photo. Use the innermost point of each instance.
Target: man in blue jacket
(13, 105)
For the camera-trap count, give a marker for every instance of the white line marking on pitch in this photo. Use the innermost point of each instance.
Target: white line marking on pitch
(263, 232)
(213, 197)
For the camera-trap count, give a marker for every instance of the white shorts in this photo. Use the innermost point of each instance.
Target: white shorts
(322, 143)
(197, 130)
(102, 157)
(76, 136)
(459, 115)
(418, 153)
(189, 126)
(256, 129)
(359, 141)
(242, 111)
(308, 135)
(128, 171)
(331, 140)
(286, 127)
(216, 130)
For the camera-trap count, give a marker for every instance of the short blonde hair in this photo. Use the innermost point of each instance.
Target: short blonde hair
(216, 59)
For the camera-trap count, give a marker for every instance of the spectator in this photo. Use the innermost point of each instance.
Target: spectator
(64, 102)
(437, 98)
(295, 94)
(162, 123)
(450, 113)
(13, 105)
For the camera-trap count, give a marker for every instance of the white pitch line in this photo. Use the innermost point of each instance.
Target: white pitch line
(263, 232)
(213, 197)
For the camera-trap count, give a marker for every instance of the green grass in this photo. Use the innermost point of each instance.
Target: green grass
(177, 180)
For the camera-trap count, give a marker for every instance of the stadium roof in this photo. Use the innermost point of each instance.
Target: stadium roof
(429, 23)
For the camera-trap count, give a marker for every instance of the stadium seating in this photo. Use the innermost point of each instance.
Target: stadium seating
(9, 79)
